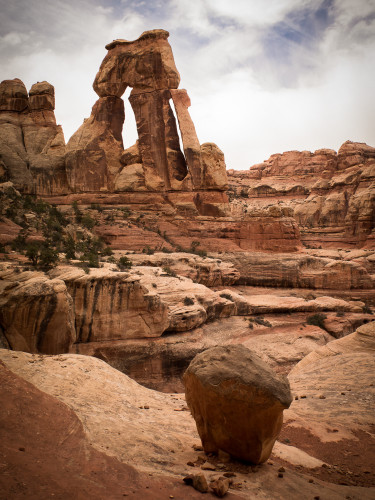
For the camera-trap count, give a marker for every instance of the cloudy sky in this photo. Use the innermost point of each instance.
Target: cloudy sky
(264, 76)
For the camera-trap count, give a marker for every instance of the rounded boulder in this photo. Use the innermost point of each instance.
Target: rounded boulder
(237, 402)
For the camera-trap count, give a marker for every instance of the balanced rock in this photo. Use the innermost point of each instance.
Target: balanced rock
(237, 402)
(13, 95)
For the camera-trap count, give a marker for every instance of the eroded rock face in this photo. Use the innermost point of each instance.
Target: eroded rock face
(32, 146)
(93, 153)
(113, 306)
(331, 195)
(237, 402)
(36, 313)
(146, 64)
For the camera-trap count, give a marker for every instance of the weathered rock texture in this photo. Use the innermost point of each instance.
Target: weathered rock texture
(332, 195)
(334, 390)
(36, 313)
(96, 425)
(32, 146)
(237, 402)
(146, 65)
(305, 270)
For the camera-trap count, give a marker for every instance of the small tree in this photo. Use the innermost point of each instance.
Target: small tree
(33, 253)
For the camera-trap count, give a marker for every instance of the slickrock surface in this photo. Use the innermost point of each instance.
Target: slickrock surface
(123, 424)
(335, 386)
(332, 195)
(237, 402)
(47, 452)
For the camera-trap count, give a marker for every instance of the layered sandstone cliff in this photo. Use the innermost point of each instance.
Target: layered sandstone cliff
(331, 195)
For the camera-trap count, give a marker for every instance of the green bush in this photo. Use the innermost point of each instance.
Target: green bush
(124, 263)
(169, 271)
(317, 320)
(87, 221)
(148, 250)
(42, 255)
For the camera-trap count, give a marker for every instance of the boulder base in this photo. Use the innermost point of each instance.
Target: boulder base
(237, 402)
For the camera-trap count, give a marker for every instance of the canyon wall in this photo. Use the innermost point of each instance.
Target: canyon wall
(330, 195)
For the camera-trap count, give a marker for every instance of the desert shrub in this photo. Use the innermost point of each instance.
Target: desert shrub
(124, 263)
(77, 212)
(96, 206)
(107, 251)
(188, 301)
(126, 212)
(251, 326)
(165, 250)
(148, 250)
(316, 320)
(91, 258)
(259, 321)
(19, 243)
(2, 248)
(87, 221)
(169, 271)
(367, 309)
(263, 322)
(69, 248)
(41, 254)
(154, 285)
(112, 259)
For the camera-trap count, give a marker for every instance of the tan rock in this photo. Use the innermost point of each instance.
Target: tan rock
(192, 148)
(42, 96)
(146, 64)
(93, 152)
(214, 168)
(32, 146)
(163, 162)
(130, 178)
(220, 486)
(113, 306)
(13, 95)
(236, 401)
(36, 313)
(342, 371)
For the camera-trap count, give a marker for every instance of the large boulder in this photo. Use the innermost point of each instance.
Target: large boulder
(237, 402)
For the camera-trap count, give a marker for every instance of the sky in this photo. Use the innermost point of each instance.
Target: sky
(264, 76)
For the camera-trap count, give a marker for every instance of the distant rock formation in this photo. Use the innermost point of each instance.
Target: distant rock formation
(94, 153)
(34, 157)
(32, 146)
(331, 195)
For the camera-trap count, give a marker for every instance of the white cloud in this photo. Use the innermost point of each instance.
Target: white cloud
(263, 77)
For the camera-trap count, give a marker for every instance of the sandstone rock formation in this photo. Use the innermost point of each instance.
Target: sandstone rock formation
(47, 452)
(32, 146)
(36, 313)
(303, 270)
(146, 65)
(236, 401)
(331, 194)
(136, 438)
